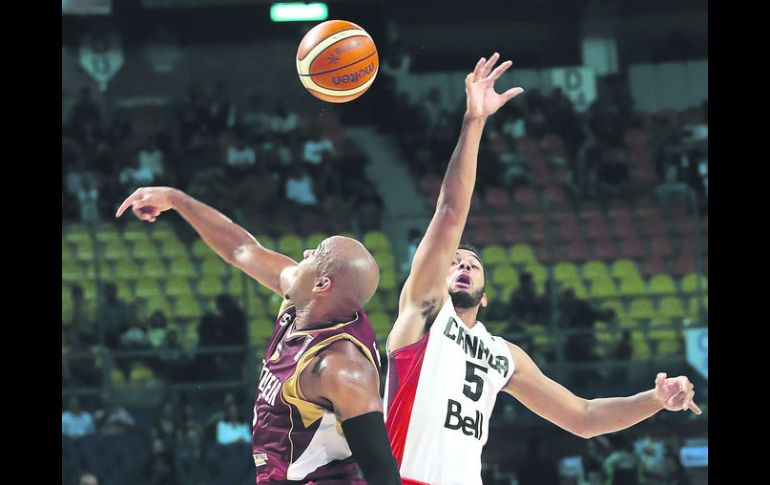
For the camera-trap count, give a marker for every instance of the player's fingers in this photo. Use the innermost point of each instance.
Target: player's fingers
(694, 408)
(487, 67)
(126, 203)
(499, 70)
(139, 214)
(477, 70)
(512, 93)
(687, 400)
(675, 398)
(660, 378)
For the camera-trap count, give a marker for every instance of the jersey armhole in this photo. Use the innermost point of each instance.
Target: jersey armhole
(407, 349)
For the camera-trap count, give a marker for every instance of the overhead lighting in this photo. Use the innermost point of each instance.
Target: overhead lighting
(298, 12)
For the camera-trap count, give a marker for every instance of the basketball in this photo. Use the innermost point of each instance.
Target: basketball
(337, 61)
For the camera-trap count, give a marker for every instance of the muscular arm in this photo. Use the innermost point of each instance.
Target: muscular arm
(230, 241)
(342, 378)
(425, 290)
(582, 417)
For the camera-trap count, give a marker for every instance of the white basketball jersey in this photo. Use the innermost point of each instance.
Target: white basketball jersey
(439, 397)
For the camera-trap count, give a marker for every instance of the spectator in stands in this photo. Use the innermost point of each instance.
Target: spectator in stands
(188, 452)
(113, 315)
(232, 429)
(161, 469)
(537, 469)
(526, 305)
(622, 466)
(299, 187)
(592, 459)
(368, 206)
(151, 158)
(79, 363)
(167, 425)
(85, 115)
(111, 418)
(283, 120)
(158, 329)
(314, 149)
(88, 198)
(221, 109)
(81, 323)
(88, 479)
(240, 155)
(173, 359)
(76, 422)
(414, 237)
(135, 336)
(612, 176)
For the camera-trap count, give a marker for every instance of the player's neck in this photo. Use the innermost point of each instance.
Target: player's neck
(468, 315)
(316, 316)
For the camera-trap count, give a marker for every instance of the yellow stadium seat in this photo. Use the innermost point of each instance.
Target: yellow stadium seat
(632, 286)
(692, 306)
(265, 240)
(494, 255)
(624, 268)
(381, 323)
(236, 285)
(174, 249)
(105, 271)
(315, 239)
(376, 240)
(108, 233)
(210, 287)
(260, 330)
(66, 251)
(642, 308)
(182, 267)
(291, 245)
(134, 232)
(576, 286)
(522, 254)
(84, 250)
(187, 307)
(389, 300)
(274, 305)
(374, 305)
(155, 303)
(178, 286)
(565, 271)
(661, 284)
(492, 293)
(387, 279)
(640, 348)
(67, 304)
(76, 233)
(616, 306)
(161, 231)
(201, 251)
(595, 269)
(505, 275)
(71, 271)
(538, 271)
(667, 343)
(671, 307)
(144, 250)
(154, 268)
(140, 374)
(504, 293)
(126, 270)
(690, 283)
(384, 260)
(147, 288)
(125, 291)
(256, 307)
(117, 378)
(115, 249)
(603, 288)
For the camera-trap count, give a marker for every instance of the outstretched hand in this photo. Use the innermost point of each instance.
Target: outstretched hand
(676, 393)
(147, 203)
(483, 101)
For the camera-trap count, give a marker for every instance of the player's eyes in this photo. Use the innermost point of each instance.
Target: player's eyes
(454, 263)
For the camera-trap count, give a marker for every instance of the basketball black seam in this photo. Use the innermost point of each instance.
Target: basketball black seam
(341, 89)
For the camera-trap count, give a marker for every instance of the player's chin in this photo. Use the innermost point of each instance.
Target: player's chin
(465, 298)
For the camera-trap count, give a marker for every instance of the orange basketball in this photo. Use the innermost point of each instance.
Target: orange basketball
(337, 61)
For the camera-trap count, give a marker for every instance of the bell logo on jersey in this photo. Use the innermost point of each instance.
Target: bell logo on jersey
(470, 426)
(269, 385)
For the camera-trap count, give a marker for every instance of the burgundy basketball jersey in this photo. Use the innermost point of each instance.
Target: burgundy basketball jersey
(295, 440)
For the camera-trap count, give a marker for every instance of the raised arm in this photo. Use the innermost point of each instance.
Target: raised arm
(229, 240)
(426, 289)
(588, 418)
(342, 378)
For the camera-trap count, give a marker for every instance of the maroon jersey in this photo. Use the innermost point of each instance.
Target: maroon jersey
(295, 440)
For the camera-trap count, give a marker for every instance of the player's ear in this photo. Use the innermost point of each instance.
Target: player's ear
(484, 300)
(322, 284)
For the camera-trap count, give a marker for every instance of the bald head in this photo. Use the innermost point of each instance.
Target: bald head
(351, 268)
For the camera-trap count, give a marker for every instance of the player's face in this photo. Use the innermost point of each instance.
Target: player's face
(301, 291)
(465, 273)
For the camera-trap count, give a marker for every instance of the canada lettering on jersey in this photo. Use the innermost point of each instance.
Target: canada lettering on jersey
(269, 385)
(474, 347)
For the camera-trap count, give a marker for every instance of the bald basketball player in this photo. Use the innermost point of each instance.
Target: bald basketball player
(446, 369)
(318, 413)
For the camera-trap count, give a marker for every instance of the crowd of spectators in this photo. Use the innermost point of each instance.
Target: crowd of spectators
(264, 166)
